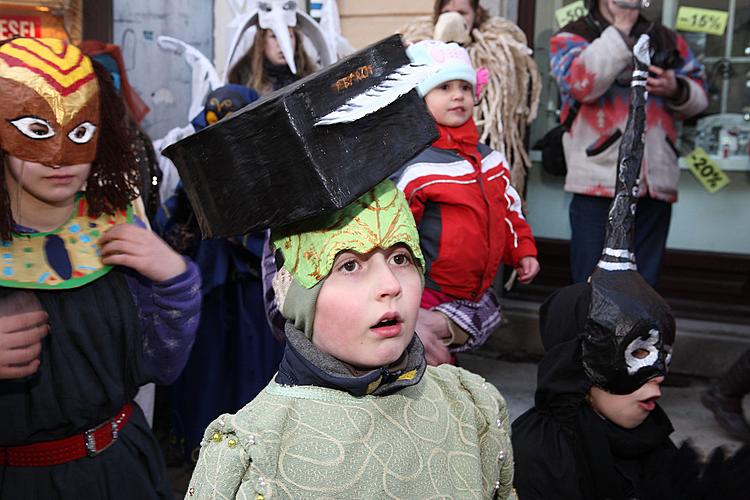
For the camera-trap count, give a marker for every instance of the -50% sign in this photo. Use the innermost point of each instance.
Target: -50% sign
(570, 13)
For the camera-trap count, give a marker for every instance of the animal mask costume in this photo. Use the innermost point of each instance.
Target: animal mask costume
(630, 330)
(50, 115)
(279, 16)
(222, 102)
(53, 115)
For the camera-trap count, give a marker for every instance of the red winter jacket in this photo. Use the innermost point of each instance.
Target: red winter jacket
(468, 214)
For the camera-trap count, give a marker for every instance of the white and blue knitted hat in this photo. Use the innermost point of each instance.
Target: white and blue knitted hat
(451, 60)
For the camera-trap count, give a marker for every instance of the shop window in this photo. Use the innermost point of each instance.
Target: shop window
(723, 130)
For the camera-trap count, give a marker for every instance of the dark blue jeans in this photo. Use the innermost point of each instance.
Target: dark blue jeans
(588, 220)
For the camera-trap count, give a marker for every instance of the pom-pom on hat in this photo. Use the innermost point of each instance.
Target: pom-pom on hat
(451, 61)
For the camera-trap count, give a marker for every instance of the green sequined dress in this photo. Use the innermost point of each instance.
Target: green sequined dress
(445, 437)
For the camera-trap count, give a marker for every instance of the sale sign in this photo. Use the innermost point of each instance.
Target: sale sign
(706, 170)
(13, 25)
(570, 13)
(713, 22)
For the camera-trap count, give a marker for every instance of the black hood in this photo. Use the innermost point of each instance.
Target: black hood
(562, 383)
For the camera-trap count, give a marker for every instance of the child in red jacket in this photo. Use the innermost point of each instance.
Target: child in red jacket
(468, 214)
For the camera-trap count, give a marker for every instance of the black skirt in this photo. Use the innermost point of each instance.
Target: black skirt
(91, 365)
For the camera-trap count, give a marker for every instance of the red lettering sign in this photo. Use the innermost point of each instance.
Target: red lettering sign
(20, 26)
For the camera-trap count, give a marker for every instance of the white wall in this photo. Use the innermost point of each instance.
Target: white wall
(504, 8)
(222, 17)
(161, 79)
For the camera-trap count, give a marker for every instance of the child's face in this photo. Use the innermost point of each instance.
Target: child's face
(49, 184)
(367, 307)
(627, 410)
(272, 49)
(463, 7)
(451, 103)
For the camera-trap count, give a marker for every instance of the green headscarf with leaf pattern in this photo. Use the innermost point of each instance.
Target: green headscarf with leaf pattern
(380, 218)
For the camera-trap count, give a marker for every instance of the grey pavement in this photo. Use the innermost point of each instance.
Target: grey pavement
(517, 383)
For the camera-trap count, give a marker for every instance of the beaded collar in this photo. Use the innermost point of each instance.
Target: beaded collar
(66, 257)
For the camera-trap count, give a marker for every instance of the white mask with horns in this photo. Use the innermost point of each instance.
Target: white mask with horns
(278, 16)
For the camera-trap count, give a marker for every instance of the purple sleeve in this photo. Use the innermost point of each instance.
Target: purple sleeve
(169, 312)
(268, 270)
(478, 319)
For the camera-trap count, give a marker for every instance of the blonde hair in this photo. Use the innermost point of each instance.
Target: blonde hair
(249, 71)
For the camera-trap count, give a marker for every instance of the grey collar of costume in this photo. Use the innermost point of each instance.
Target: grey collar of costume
(305, 364)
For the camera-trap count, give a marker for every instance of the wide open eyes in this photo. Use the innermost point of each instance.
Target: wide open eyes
(33, 127)
(82, 133)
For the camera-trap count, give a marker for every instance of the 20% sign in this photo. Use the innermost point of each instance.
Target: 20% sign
(706, 170)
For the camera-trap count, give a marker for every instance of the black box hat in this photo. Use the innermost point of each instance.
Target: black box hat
(309, 148)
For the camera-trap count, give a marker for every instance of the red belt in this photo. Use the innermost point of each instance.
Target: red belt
(89, 443)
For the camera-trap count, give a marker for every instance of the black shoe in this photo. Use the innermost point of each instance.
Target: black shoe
(728, 413)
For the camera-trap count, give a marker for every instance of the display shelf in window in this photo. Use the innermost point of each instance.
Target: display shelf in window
(726, 139)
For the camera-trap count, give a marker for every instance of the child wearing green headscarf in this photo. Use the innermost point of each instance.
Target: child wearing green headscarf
(354, 412)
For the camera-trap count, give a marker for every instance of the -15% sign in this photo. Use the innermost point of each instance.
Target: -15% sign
(713, 22)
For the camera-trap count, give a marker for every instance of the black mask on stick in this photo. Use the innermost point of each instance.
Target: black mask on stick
(630, 330)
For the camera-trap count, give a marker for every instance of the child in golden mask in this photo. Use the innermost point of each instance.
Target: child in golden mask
(92, 304)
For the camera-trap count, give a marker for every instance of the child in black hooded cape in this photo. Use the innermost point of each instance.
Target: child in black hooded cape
(563, 449)
(596, 431)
